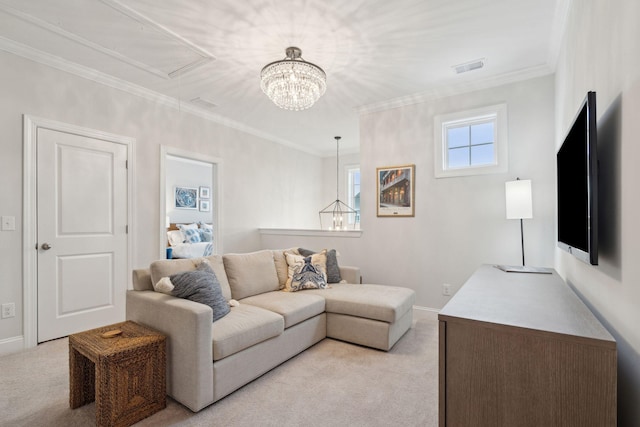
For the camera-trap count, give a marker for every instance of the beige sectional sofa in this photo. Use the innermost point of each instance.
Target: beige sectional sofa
(206, 361)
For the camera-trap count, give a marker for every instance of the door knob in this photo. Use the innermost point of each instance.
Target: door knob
(46, 246)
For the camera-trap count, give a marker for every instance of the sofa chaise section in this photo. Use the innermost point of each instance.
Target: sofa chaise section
(374, 315)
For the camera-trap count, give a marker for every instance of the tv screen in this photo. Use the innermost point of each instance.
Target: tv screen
(577, 164)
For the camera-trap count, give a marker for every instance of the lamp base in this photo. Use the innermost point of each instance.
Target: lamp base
(524, 269)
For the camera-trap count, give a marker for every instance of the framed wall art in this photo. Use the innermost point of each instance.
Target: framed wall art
(205, 206)
(396, 191)
(186, 198)
(205, 192)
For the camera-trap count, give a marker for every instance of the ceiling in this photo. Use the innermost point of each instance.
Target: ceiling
(376, 53)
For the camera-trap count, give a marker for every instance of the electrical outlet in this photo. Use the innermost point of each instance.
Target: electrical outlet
(8, 310)
(446, 289)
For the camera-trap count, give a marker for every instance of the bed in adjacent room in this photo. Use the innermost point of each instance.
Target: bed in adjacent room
(190, 240)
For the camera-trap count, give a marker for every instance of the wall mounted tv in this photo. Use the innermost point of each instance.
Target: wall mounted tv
(577, 162)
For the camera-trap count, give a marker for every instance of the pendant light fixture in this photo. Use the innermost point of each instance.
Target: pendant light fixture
(337, 211)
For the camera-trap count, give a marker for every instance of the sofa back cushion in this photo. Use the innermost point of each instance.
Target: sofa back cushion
(167, 267)
(282, 268)
(251, 273)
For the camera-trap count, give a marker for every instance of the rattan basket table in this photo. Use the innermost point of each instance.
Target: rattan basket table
(124, 374)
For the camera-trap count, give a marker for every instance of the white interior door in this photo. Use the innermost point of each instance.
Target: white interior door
(81, 232)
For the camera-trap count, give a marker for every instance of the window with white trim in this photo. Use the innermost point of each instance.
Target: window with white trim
(353, 192)
(471, 142)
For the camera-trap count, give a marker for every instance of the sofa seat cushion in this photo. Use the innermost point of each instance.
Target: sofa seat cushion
(294, 307)
(244, 326)
(376, 302)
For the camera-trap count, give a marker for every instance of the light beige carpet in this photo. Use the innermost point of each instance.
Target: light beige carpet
(331, 384)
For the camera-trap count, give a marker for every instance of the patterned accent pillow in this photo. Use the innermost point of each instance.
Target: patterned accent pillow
(206, 234)
(306, 272)
(191, 235)
(201, 285)
(333, 270)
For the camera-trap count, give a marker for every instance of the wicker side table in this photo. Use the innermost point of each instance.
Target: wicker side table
(125, 374)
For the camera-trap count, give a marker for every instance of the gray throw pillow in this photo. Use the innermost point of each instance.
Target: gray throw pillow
(201, 285)
(333, 271)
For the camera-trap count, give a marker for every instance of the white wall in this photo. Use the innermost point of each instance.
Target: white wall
(459, 223)
(261, 188)
(601, 52)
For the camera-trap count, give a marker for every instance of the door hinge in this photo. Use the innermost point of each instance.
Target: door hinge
(126, 164)
(126, 229)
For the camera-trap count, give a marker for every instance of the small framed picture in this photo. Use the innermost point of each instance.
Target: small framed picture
(205, 192)
(396, 190)
(186, 198)
(205, 206)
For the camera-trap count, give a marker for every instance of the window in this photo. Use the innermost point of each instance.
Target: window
(471, 142)
(353, 192)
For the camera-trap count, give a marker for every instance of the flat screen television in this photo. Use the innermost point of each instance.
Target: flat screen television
(577, 165)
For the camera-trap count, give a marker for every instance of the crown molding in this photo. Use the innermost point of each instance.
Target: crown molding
(456, 89)
(56, 62)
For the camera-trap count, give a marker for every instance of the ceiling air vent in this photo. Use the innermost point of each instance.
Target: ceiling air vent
(204, 103)
(469, 66)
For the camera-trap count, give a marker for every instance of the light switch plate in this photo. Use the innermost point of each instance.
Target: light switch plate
(8, 223)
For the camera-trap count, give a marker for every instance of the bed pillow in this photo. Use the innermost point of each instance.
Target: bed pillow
(333, 270)
(200, 285)
(175, 237)
(191, 235)
(182, 227)
(308, 272)
(206, 234)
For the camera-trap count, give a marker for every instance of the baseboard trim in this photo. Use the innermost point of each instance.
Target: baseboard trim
(11, 345)
(419, 307)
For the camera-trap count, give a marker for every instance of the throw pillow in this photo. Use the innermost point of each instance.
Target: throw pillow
(333, 270)
(205, 225)
(306, 272)
(206, 234)
(191, 235)
(200, 285)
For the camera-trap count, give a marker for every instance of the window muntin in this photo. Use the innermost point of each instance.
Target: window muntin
(471, 142)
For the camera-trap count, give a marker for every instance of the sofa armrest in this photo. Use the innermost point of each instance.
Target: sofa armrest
(187, 325)
(350, 274)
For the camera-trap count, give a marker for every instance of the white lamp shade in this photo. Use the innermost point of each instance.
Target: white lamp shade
(518, 197)
(167, 222)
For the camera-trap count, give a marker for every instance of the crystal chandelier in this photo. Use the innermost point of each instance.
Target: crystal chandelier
(293, 83)
(338, 209)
